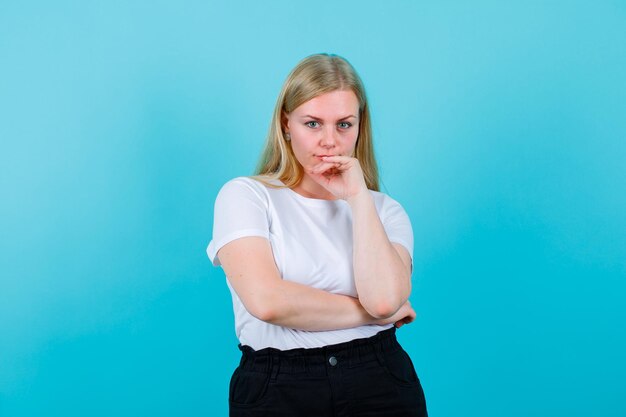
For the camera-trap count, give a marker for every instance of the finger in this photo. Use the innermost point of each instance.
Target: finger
(337, 158)
(344, 165)
(325, 166)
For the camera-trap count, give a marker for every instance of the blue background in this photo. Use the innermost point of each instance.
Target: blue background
(500, 126)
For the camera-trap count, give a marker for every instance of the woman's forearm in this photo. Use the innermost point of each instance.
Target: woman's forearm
(383, 281)
(298, 306)
(301, 307)
(252, 273)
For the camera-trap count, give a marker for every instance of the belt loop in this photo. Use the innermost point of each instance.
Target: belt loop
(274, 367)
(352, 354)
(378, 350)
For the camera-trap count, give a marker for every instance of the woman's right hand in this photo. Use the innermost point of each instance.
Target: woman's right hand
(404, 315)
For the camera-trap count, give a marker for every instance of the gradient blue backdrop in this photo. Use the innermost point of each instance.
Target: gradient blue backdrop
(500, 126)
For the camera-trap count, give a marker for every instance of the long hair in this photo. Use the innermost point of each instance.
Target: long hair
(315, 75)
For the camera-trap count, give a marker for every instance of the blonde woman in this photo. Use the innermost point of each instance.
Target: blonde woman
(318, 261)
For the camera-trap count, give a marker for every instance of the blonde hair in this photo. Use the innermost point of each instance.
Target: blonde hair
(315, 75)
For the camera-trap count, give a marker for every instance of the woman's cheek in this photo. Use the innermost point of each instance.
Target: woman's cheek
(303, 159)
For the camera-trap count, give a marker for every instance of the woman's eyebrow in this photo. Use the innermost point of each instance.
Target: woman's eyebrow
(318, 118)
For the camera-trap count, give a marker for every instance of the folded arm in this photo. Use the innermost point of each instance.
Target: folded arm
(250, 268)
(382, 270)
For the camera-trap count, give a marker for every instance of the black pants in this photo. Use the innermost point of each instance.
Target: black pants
(363, 377)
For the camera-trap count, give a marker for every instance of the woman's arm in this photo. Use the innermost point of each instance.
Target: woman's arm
(382, 270)
(249, 266)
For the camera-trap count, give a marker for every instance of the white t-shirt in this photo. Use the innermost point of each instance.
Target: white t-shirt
(311, 240)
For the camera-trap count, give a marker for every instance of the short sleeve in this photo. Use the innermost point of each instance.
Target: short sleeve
(397, 224)
(240, 211)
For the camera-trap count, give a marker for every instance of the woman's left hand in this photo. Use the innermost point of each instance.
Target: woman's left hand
(341, 175)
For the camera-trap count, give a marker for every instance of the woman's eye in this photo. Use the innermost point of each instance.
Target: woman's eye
(344, 125)
(312, 124)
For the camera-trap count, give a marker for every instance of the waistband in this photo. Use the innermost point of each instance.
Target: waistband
(318, 360)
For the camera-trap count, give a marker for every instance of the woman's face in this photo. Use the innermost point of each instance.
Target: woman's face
(325, 125)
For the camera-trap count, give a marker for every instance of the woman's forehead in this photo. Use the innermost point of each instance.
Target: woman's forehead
(334, 103)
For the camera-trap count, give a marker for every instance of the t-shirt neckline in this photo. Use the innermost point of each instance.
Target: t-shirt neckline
(309, 200)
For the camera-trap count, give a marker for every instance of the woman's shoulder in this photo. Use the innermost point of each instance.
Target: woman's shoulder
(391, 212)
(254, 182)
(248, 186)
(383, 200)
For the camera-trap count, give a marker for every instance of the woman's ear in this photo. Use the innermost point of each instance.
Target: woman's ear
(284, 122)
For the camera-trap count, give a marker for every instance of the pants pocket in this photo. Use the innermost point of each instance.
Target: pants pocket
(400, 367)
(247, 388)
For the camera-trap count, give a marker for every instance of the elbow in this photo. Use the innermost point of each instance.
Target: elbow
(267, 315)
(264, 303)
(264, 310)
(382, 309)
(384, 306)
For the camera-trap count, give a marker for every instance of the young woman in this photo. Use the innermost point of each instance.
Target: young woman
(318, 261)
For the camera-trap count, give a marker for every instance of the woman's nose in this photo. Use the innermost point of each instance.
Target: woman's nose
(329, 138)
